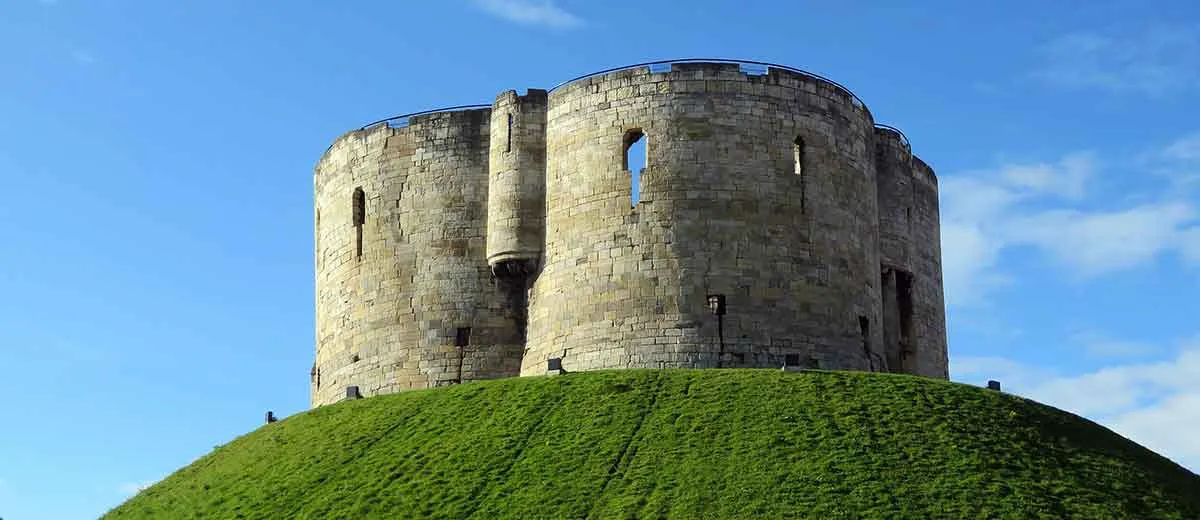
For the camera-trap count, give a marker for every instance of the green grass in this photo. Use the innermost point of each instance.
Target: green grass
(680, 444)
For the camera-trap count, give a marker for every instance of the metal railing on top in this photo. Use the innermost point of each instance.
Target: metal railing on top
(403, 119)
(903, 138)
(715, 60)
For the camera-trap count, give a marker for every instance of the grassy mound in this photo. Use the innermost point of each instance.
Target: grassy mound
(680, 444)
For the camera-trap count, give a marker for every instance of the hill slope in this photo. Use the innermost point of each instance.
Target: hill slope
(680, 444)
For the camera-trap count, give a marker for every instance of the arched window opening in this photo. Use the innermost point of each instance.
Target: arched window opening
(508, 136)
(798, 153)
(360, 217)
(634, 160)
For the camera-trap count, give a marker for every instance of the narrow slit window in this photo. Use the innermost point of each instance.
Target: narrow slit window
(864, 328)
(360, 217)
(798, 157)
(462, 337)
(508, 136)
(634, 161)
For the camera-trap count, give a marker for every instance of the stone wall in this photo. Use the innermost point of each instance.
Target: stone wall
(395, 317)
(929, 298)
(481, 243)
(722, 211)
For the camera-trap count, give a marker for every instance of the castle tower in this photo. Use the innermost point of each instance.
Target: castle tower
(758, 190)
(929, 301)
(405, 298)
(893, 166)
(914, 331)
(771, 223)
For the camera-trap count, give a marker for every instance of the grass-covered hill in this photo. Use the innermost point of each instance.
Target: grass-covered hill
(680, 444)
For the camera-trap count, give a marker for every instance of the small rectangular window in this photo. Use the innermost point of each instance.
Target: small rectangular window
(792, 360)
(359, 216)
(634, 160)
(462, 337)
(508, 136)
(800, 163)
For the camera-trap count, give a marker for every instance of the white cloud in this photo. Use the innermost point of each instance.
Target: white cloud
(974, 208)
(1042, 205)
(530, 12)
(1179, 162)
(1189, 243)
(1155, 60)
(1093, 243)
(1186, 148)
(1153, 403)
(1067, 179)
(1099, 345)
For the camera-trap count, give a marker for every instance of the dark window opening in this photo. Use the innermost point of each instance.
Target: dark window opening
(908, 213)
(360, 217)
(864, 328)
(905, 299)
(791, 360)
(800, 161)
(908, 340)
(798, 155)
(716, 304)
(634, 160)
(899, 331)
(462, 337)
(508, 145)
(739, 357)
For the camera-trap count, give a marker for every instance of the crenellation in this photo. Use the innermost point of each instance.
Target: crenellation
(515, 221)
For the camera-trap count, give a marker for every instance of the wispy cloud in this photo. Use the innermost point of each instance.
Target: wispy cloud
(1100, 345)
(975, 206)
(1154, 403)
(530, 12)
(1179, 162)
(1051, 207)
(1101, 242)
(82, 56)
(1157, 60)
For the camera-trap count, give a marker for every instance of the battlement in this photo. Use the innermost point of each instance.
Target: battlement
(923, 172)
(771, 222)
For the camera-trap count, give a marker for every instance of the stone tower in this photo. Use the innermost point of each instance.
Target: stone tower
(775, 225)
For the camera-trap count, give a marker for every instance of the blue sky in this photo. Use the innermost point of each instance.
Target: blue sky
(157, 156)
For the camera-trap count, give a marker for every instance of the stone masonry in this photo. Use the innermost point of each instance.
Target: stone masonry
(477, 244)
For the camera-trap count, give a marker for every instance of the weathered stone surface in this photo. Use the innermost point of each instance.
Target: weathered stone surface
(516, 222)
